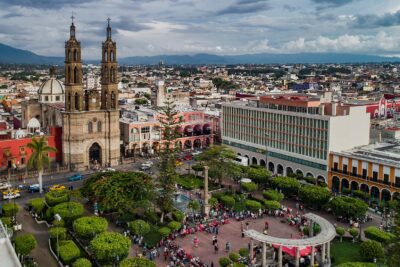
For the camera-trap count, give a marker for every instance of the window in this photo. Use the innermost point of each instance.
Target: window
(21, 148)
(90, 127)
(397, 181)
(354, 171)
(57, 98)
(99, 126)
(46, 98)
(22, 161)
(364, 173)
(335, 166)
(386, 178)
(344, 168)
(145, 129)
(374, 176)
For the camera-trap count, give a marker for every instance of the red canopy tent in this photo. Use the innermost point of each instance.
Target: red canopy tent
(304, 251)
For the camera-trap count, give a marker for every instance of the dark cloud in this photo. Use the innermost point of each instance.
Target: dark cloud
(44, 4)
(374, 21)
(129, 24)
(245, 6)
(11, 15)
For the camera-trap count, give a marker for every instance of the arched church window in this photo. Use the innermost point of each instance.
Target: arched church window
(75, 55)
(76, 101)
(99, 126)
(113, 100)
(86, 100)
(76, 75)
(69, 74)
(90, 127)
(105, 56)
(112, 55)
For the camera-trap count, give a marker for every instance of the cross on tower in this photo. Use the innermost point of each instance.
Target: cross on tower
(108, 22)
(72, 17)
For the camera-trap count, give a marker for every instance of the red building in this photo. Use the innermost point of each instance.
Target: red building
(15, 153)
(384, 108)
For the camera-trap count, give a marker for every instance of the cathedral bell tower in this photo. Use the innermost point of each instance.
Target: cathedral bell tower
(73, 73)
(109, 70)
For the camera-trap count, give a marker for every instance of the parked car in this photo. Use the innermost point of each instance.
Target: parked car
(145, 167)
(11, 194)
(34, 188)
(4, 185)
(75, 177)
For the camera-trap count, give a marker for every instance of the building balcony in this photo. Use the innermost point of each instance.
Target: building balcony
(365, 178)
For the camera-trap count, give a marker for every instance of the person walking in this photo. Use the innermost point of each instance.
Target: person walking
(228, 246)
(216, 248)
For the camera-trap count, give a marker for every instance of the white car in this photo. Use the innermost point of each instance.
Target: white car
(11, 195)
(5, 185)
(108, 170)
(150, 163)
(145, 167)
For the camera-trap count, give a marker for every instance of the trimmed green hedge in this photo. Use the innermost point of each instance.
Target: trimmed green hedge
(68, 251)
(164, 231)
(174, 226)
(37, 204)
(56, 197)
(178, 216)
(137, 262)
(253, 205)
(271, 194)
(228, 201)
(249, 187)
(139, 227)
(89, 227)
(25, 243)
(357, 264)
(374, 233)
(69, 211)
(58, 232)
(371, 249)
(82, 262)
(108, 245)
(10, 209)
(272, 205)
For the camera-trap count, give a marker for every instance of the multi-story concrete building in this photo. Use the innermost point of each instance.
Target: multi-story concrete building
(373, 169)
(141, 132)
(293, 133)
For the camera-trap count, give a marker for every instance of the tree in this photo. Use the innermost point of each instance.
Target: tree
(139, 227)
(224, 262)
(353, 232)
(89, 227)
(249, 187)
(374, 233)
(289, 186)
(340, 231)
(141, 101)
(220, 161)
(357, 264)
(24, 244)
(40, 156)
(228, 201)
(69, 211)
(271, 194)
(244, 252)
(370, 250)
(393, 248)
(197, 168)
(253, 205)
(58, 232)
(194, 205)
(37, 204)
(10, 209)
(164, 231)
(314, 196)
(68, 251)
(169, 121)
(272, 205)
(348, 207)
(82, 262)
(137, 262)
(258, 175)
(122, 192)
(178, 216)
(56, 197)
(234, 256)
(174, 226)
(108, 246)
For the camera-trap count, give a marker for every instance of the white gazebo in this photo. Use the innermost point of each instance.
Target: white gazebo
(323, 239)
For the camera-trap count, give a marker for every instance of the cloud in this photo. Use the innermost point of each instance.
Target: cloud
(373, 21)
(324, 4)
(45, 4)
(245, 6)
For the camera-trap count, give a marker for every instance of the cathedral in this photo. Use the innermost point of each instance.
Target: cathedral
(91, 136)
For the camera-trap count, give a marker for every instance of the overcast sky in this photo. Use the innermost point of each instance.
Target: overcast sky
(153, 27)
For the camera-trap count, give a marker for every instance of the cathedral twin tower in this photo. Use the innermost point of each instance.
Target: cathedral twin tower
(90, 120)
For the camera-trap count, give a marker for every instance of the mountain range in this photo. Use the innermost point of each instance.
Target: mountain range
(11, 55)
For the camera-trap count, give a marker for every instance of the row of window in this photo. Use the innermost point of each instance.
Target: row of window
(364, 173)
(296, 134)
(90, 127)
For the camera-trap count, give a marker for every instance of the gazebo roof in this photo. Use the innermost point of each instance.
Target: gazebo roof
(328, 232)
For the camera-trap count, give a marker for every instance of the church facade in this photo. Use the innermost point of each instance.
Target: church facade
(91, 135)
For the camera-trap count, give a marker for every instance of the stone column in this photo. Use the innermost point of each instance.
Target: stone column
(312, 256)
(311, 232)
(280, 256)
(264, 254)
(251, 252)
(323, 253)
(328, 251)
(297, 261)
(206, 206)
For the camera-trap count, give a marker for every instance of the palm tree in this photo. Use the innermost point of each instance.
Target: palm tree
(40, 156)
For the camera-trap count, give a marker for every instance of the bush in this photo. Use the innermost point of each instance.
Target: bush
(56, 197)
(89, 227)
(353, 232)
(361, 194)
(271, 194)
(190, 182)
(340, 231)
(357, 264)
(69, 211)
(310, 180)
(10, 209)
(253, 205)
(228, 201)
(82, 262)
(24, 244)
(164, 231)
(249, 187)
(58, 232)
(213, 202)
(174, 226)
(6, 221)
(272, 205)
(314, 196)
(370, 250)
(139, 227)
(289, 186)
(152, 238)
(194, 205)
(348, 207)
(374, 233)
(37, 204)
(49, 215)
(68, 251)
(244, 252)
(224, 262)
(234, 256)
(137, 262)
(346, 191)
(178, 216)
(108, 245)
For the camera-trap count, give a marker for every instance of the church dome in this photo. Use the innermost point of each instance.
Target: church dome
(52, 90)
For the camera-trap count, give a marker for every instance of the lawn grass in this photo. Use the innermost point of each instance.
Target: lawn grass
(345, 251)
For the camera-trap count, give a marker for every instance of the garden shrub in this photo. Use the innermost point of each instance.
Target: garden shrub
(370, 250)
(69, 211)
(174, 226)
(271, 194)
(289, 186)
(37, 204)
(60, 232)
(24, 244)
(89, 227)
(224, 262)
(68, 251)
(10, 209)
(253, 205)
(374, 233)
(164, 231)
(137, 262)
(272, 205)
(139, 227)
(107, 246)
(178, 215)
(82, 262)
(6, 221)
(234, 256)
(249, 187)
(314, 196)
(228, 201)
(244, 252)
(56, 197)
